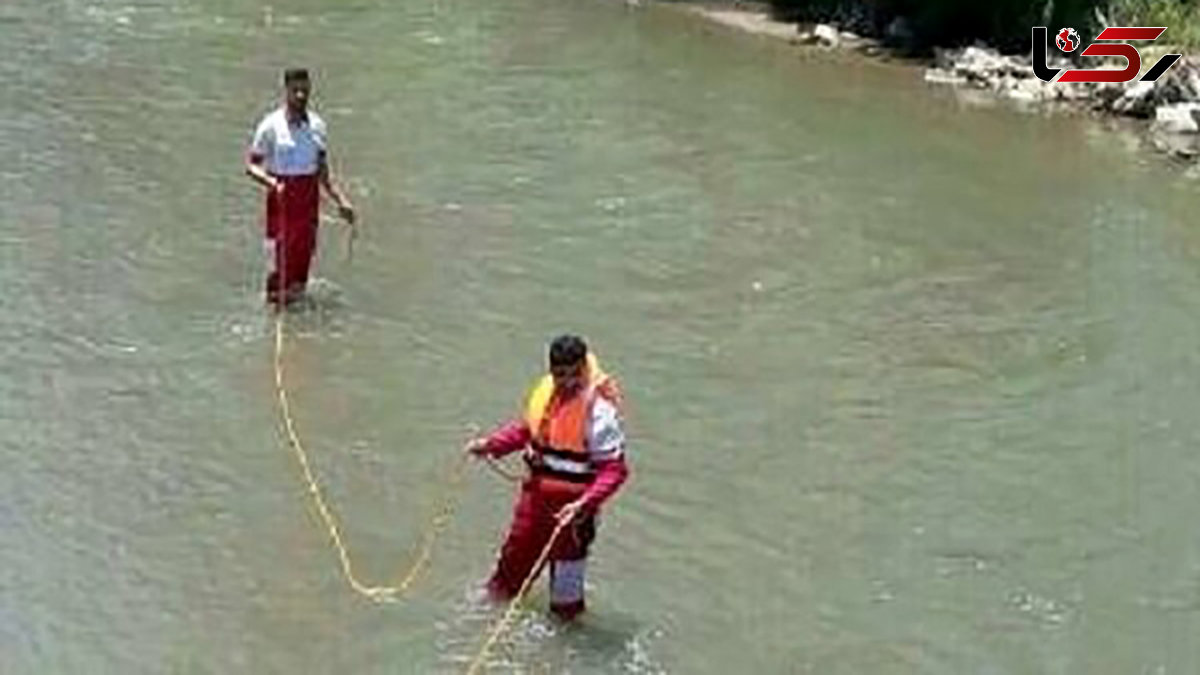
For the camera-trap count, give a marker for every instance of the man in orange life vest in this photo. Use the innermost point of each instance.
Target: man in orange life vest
(288, 156)
(575, 449)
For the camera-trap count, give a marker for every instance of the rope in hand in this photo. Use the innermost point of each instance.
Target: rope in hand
(437, 524)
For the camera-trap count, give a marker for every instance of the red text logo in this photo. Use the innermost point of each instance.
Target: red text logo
(1068, 41)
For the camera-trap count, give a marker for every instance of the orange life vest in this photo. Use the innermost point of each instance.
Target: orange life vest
(559, 453)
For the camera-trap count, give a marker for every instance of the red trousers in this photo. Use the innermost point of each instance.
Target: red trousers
(533, 523)
(292, 218)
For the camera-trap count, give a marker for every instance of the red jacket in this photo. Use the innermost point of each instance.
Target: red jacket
(610, 474)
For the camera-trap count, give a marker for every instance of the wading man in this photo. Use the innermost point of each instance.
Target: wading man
(574, 446)
(288, 156)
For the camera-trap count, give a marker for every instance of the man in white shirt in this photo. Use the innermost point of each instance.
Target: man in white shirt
(288, 156)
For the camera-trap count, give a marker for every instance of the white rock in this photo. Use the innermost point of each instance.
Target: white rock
(1137, 100)
(979, 59)
(1177, 145)
(1022, 94)
(805, 35)
(1177, 118)
(827, 35)
(943, 76)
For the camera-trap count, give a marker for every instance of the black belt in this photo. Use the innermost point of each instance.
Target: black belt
(539, 467)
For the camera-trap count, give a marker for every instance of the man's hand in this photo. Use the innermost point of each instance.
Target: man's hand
(477, 447)
(571, 511)
(346, 211)
(255, 169)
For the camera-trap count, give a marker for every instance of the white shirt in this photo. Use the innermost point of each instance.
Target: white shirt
(289, 149)
(605, 437)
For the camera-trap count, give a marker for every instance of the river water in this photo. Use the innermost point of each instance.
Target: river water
(912, 380)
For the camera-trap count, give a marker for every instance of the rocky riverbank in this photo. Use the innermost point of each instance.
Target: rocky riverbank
(1167, 111)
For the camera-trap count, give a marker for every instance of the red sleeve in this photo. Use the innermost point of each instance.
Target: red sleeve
(610, 475)
(509, 438)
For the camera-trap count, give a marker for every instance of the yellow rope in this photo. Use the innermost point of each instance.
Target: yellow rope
(511, 610)
(441, 518)
(437, 525)
(499, 470)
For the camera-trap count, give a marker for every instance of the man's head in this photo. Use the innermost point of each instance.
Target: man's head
(298, 86)
(568, 363)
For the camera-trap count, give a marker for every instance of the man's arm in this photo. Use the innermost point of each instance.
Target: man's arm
(255, 155)
(610, 476)
(256, 171)
(345, 208)
(509, 438)
(606, 443)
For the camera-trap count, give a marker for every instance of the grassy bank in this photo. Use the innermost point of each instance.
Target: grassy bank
(922, 24)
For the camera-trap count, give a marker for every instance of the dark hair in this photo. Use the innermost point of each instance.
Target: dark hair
(295, 75)
(567, 350)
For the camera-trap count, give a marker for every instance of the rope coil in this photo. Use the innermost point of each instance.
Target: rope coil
(438, 523)
(442, 514)
(441, 518)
